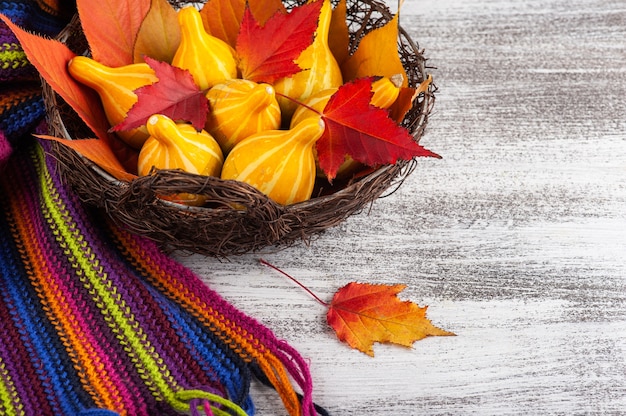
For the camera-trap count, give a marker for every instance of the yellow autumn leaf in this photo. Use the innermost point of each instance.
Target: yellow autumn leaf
(338, 33)
(159, 33)
(376, 55)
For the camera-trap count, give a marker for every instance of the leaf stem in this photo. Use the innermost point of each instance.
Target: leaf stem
(298, 102)
(293, 279)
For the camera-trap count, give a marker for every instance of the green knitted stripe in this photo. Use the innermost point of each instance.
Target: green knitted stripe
(8, 395)
(12, 58)
(115, 310)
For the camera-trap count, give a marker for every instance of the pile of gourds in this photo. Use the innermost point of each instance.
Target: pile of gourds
(242, 138)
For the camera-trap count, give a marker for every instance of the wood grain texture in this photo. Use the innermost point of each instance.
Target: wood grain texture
(516, 239)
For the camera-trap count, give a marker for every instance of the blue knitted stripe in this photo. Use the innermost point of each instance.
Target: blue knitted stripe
(31, 17)
(22, 118)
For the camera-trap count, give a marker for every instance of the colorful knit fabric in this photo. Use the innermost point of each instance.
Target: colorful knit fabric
(94, 318)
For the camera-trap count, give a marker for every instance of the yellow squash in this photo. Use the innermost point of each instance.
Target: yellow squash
(279, 163)
(179, 146)
(209, 59)
(115, 86)
(320, 69)
(240, 108)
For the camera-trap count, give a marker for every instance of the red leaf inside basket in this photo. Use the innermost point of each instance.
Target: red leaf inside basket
(222, 18)
(356, 128)
(267, 53)
(175, 95)
(111, 28)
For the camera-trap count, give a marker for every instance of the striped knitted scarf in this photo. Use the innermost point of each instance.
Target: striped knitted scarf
(95, 320)
(92, 317)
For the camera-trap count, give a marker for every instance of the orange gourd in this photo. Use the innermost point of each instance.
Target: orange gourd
(240, 108)
(179, 146)
(209, 59)
(279, 163)
(115, 86)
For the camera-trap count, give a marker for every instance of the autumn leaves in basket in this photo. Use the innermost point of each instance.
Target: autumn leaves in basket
(242, 90)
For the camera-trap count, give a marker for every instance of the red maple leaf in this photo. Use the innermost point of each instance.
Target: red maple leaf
(175, 95)
(356, 128)
(267, 53)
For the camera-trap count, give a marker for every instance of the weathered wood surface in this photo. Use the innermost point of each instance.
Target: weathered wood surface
(516, 239)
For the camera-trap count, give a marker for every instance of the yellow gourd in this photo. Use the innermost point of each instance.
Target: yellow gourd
(174, 145)
(209, 59)
(279, 163)
(240, 108)
(320, 69)
(115, 86)
(385, 92)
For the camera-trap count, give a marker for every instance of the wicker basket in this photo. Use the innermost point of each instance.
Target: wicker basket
(217, 229)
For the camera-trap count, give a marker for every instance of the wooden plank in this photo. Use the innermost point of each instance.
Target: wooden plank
(515, 239)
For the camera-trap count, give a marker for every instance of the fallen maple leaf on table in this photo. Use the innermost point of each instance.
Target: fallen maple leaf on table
(363, 313)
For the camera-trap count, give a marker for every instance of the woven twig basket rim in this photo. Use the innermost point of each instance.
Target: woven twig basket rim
(219, 230)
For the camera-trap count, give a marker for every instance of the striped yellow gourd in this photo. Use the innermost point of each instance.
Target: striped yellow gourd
(319, 68)
(179, 146)
(115, 86)
(240, 108)
(209, 59)
(279, 163)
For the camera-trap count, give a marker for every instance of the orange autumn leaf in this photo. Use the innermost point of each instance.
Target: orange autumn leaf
(373, 56)
(338, 33)
(99, 153)
(159, 34)
(262, 10)
(222, 18)
(362, 314)
(404, 102)
(111, 27)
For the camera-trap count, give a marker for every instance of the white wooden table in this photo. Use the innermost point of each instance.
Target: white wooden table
(516, 239)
